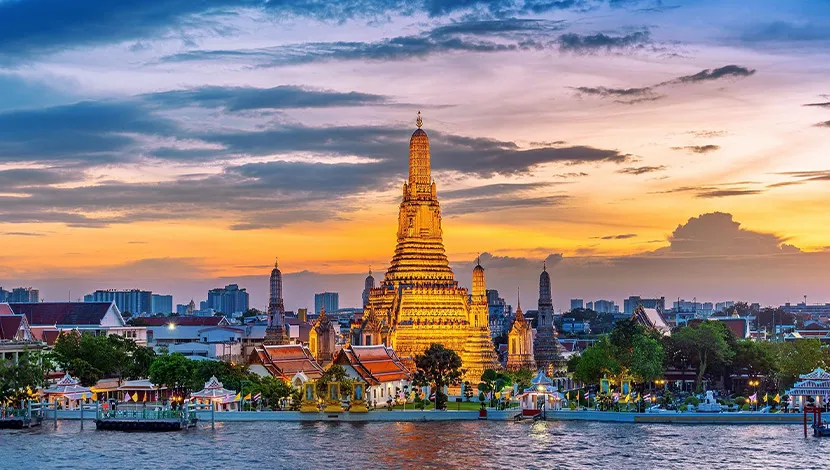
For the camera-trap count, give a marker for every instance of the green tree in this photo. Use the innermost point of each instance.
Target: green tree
(335, 373)
(29, 373)
(91, 358)
(173, 371)
(647, 362)
(273, 390)
(438, 367)
(794, 358)
(754, 358)
(704, 345)
(493, 382)
(521, 377)
(596, 361)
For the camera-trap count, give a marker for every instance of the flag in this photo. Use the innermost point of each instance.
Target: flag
(248, 396)
(585, 396)
(777, 398)
(646, 396)
(238, 396)
(257, 396)
(753, 397)
(94, 396)
(627, 398)
(83, 396)
(127, 397)
(766, 397)
(616, 397)
(135, 396)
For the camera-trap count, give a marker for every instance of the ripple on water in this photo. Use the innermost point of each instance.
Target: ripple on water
(489, 445)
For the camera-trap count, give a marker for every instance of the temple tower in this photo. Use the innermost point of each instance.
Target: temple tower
(368, 285)
(546, 344)
(480, 352)
(520, 343)
(276, 333)
(321, 338)
(419, 301)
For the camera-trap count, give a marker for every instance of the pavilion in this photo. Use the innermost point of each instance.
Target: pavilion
(214, 393)
(68, 392)
(816, 384)
(141, 390)
(541, 394)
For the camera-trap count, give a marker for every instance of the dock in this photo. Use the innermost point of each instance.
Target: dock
(145, 420)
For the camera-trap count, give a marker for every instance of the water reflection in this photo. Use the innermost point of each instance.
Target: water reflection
(416, 445)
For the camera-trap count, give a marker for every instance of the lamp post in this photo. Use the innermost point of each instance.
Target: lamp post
(755, 383)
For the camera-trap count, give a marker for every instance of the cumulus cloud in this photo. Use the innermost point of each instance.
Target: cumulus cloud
(823, 124)
(718, 234)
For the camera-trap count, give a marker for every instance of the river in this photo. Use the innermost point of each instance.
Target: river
(479, 445)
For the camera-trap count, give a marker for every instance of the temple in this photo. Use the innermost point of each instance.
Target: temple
(321, 338)
(546, 347)
(276, 333)
(520, 343)
(419, 302)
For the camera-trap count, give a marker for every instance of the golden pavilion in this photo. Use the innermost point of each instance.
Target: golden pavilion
(419, 302)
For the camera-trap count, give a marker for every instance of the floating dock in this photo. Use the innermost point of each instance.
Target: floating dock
(145, 421)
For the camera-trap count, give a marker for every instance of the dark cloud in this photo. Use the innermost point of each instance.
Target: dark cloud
(727, 71)
(702, 149)
(491, 261)
(717, 233)
(821, 105)
(641, 170)
(247, 98)
(804, 177)
(823, 124)
(589, 44)
(24, 234)
(716, 193)
(622, 95)
(24, 177)
(623, 236)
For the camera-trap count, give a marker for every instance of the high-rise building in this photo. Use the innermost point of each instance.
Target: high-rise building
(576, 303)
(23, 295)
(276, 333)
(134, 301)
(230, 300)
(634, 301)
(162, 303)
(605, 306)
(721, 306)
(4, 295)
(419, 302)
(329, 300)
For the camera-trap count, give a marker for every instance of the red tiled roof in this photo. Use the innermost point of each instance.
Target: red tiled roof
(375, 364)
(9, 326)
(182, 321)
(6, 310)
(62, 313)
(285, 361)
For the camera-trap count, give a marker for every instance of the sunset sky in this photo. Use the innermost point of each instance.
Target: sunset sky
(677, 148)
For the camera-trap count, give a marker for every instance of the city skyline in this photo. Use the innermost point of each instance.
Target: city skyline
(638, 148)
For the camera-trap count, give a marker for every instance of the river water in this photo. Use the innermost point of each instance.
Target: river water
(469, 445)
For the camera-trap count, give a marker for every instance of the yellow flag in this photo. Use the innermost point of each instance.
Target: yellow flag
(766, 397)
(777, 398)
(238, 397)
(83, 396)
(135, 396)
(94, 396)
(248, 396)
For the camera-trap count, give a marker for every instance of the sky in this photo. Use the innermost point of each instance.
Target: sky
(676, 148)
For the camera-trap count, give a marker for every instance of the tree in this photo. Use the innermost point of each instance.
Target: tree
(754, 358)
(468, 391)
(797, 357)
(273, 390)
(16, 380)
(173, 371)
(252, 312)
(704, 345)
(91, 358)
(522, 377)
(647, 360)
(493, 382)
(597, 361)
(335, 373)
(438, 367)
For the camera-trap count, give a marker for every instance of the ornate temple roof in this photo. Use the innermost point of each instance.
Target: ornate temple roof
(284, 361)
(374, 364)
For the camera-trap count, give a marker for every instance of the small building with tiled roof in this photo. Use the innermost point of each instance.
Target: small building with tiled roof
(183, 321)
(284, 361)
(92, 317)
(16, 338)
(382, 370)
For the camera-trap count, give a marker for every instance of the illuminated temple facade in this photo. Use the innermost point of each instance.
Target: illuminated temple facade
(419, 302)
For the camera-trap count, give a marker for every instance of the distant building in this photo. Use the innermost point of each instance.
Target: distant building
(48, 319)
(22, 294)
(721, 306)
(631, 303)
(577, 303)
(4, 295)
(814, 310)
(135, 301)
(329, 300)
(605, 306)
(498, 311)
(368, 285)
(230, 300)
(162, 303)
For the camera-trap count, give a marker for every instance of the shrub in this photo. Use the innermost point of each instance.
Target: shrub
(746, 407)
(692, 400)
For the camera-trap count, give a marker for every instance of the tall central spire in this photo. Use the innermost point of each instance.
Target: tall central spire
(419, 160)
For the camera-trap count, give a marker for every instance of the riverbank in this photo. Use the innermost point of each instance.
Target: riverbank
(492, 415)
